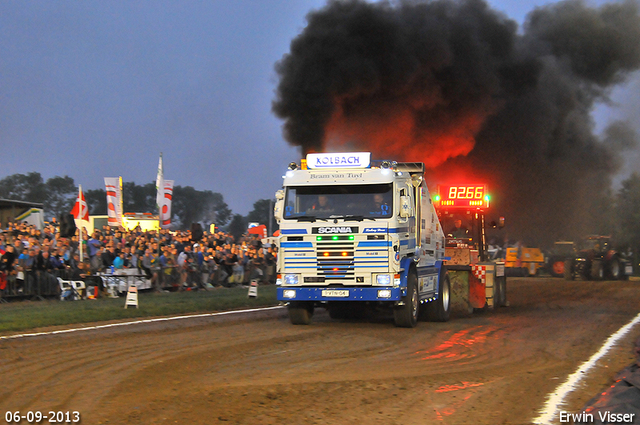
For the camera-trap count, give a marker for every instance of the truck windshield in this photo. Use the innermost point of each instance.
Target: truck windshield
(363, 201)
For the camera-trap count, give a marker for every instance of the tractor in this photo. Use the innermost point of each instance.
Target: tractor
(597, 260)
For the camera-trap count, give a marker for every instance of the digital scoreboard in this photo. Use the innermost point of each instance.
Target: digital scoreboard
(463, 196)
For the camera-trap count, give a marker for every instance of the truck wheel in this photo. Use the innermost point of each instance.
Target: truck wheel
(597, 271)
(300, 313)
(623, 272)
(568, 269)
(500, 296)
(406, 316)
(439, 310)
(614, 270)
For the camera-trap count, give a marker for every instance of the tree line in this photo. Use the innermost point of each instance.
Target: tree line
(619, 212)
(189, 205)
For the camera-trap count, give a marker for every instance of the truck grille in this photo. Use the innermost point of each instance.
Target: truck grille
(335, 260)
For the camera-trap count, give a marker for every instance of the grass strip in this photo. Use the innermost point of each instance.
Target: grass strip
(25, 315)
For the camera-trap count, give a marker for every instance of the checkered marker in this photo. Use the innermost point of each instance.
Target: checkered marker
(480, 272)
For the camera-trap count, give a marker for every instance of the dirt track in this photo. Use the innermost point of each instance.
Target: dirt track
(489, 368)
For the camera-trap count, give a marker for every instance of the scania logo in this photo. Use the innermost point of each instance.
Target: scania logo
(339, 229)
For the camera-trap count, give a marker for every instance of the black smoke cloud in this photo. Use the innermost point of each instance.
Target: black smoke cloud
(472, 96)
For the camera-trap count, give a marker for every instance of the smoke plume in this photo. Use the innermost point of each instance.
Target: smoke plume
(455, 85)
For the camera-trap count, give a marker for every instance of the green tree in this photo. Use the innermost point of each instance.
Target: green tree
(139, 198)
(263, 212)
(24, 187)
(57, 195)
(96, 201)
(61, 195)
(238, 226)
(194, 206)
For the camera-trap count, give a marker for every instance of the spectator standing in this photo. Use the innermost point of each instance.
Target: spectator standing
(8, 262)
(270, 259)
(94, 244)
(230, 260)
(118, 263)
(95, 262)
(148, 263)
(108, 256)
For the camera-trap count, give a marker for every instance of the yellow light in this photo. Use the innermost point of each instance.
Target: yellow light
(344, 254)
(326, 254)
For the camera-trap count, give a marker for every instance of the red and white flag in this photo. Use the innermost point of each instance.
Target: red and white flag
(114, 200)
(80, 210)
(165, 208)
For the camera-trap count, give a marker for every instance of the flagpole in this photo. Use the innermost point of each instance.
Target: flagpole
(80, 234)
(160, 196)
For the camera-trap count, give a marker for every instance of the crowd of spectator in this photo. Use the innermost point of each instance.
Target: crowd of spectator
(171, 260)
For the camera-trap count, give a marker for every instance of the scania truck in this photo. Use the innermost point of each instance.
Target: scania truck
(355, 231)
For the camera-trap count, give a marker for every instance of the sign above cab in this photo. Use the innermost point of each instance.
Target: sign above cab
(338, 160)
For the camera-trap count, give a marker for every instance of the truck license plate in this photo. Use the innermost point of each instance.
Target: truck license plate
(628, 270)
(335, 293)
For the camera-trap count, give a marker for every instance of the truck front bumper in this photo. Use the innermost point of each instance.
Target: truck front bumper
(302, 293)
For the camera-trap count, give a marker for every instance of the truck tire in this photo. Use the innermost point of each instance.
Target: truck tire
(300, 313)
(440, 309)
(597, 271)
(500, 292)
(406, 315)
(623, 271)
(614, 270)
(568, 269)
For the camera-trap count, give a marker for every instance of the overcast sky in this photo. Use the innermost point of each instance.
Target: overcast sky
(94, 89)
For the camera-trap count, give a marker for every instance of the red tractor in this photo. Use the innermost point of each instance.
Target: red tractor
(597, 260)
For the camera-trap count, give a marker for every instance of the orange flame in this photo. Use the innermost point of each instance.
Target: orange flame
(392, 131)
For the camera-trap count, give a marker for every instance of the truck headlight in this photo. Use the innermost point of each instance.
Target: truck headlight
(289, 293)
(383, 279)
(291, 279)
(384, 293)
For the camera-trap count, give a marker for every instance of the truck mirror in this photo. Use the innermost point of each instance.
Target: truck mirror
(279, 206)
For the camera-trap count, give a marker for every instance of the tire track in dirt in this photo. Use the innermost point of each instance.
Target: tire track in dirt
(490, 368)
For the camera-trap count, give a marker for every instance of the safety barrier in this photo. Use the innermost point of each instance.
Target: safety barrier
(39, 284)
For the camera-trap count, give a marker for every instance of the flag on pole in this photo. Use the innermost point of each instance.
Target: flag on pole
(114, 200)
(80, 210)
(80, 213)
(165, 211)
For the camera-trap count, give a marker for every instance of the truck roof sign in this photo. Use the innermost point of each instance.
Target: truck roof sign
(338, 160)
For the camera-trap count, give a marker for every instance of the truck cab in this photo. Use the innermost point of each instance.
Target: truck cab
(353, 232)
